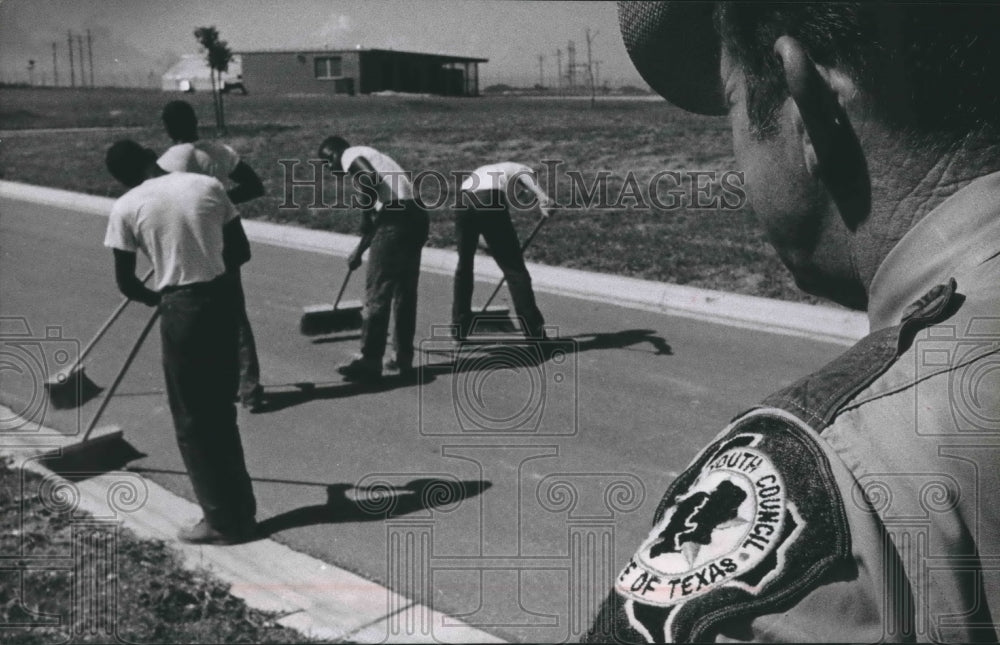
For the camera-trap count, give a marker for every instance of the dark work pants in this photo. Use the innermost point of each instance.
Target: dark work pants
(392, 280)
(198, 330)
(246, 346)
(490, 218)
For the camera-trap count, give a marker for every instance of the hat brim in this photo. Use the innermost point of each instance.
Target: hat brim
(676, 49)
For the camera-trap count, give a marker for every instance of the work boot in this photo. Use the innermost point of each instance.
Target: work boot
(397, 367)
(362, 370)
(253, 400)
(202, 533)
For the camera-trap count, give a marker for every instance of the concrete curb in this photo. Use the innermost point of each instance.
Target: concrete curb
(316, 599)
(827, 324)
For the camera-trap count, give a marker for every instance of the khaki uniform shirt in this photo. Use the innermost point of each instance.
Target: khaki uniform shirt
(861, 503)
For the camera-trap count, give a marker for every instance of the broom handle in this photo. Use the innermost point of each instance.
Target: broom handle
(340, 294)
(105, 327)
(524, 247)
(121, 373)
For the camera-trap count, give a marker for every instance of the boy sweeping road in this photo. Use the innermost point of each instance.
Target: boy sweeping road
(191, 154)
(189, 230)
(395, 227)
(486, 196)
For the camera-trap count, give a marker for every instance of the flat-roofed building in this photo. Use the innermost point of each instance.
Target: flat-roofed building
(359, 71)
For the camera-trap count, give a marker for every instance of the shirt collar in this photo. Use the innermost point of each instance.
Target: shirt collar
(958, 235)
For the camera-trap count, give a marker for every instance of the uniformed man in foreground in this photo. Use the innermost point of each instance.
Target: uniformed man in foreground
(858, 504)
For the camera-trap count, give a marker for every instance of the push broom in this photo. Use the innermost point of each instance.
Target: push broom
(501, 313)
(70, 387)
(98, 441)
(324, 319)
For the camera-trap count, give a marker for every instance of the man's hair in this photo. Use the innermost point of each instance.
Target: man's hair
(127, 162)
(927, 68)
(333, 146)
(180, 121)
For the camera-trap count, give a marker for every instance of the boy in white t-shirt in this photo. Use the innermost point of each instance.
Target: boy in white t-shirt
(189, 229)
(486, 195)
(191, 154)
(395, 226)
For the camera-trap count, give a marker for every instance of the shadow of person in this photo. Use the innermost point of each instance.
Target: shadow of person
(336, 339)
(519, 352)
(624, 339)
(515, 354)
(380, 502)
(273, 399)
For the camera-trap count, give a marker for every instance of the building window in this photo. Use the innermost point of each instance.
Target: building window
(328, 67)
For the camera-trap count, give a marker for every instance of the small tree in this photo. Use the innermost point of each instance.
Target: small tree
(218, 55)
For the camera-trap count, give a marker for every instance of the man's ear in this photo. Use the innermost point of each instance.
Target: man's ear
(830, 145)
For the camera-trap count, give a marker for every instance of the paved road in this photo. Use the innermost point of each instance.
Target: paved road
(499, 491)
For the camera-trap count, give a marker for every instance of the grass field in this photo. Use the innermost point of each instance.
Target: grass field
(157, 601)
(706, 247)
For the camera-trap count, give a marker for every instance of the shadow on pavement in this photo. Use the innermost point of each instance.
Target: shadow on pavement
(517, 352)
(489, 354)
(622, 340)
(352, 503)
(347, 503)
(272, 401)
(335, 339)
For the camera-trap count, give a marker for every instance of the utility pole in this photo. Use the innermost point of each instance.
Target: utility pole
(590, 68)
(571, 64)
(559, 69)
(72, 70)
(55, 66)
(541, 72)
(83, 76)
(90, 56)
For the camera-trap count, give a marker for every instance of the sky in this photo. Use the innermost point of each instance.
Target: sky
(135, 41)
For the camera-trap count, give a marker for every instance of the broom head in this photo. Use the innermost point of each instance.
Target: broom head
(324, 319)
(104, 450)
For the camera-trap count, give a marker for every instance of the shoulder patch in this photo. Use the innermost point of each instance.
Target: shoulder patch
(753, 523)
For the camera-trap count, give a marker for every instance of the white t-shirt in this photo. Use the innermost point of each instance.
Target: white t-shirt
(392, 174)
(203, 157)
(176, 220)
(496, 176)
